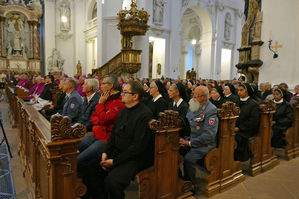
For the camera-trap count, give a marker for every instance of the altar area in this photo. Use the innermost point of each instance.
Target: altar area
(20, 37)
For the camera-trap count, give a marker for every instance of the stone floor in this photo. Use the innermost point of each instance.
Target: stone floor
(282, 182)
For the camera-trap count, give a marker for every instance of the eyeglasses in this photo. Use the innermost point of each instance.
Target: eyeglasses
(106, 83)
(152, 87)
(125, 92)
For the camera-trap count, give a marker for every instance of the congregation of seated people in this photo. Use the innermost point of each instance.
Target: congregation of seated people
(116, 113)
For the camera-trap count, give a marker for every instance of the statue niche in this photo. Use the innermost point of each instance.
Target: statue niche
(16, 30)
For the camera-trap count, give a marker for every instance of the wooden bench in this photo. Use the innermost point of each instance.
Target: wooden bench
(48, 153)
(260, 145)
(161, 180)
(224, 172)
(292, 134)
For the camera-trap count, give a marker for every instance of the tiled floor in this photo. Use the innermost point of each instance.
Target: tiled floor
(282, 182)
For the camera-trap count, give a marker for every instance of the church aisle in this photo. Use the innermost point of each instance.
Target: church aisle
(281, 182)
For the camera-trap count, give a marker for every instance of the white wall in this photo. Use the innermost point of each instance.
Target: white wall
(283, 22)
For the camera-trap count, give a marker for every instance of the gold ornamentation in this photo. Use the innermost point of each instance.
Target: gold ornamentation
(166, 120)
(228, 110)
(61, 129)
(267, 106)
(80, 189)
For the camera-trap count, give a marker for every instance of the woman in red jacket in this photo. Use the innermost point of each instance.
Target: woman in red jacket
(103, 119)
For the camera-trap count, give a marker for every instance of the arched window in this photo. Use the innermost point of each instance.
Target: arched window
(94, 11)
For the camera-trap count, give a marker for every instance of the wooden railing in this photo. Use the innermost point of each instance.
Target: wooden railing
(48, 152)
(113, 66)
(127, 61)
(260, 145)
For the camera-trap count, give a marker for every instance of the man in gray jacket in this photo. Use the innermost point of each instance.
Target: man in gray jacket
(203, 120)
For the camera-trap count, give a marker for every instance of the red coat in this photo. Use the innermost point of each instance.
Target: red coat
(105, 116)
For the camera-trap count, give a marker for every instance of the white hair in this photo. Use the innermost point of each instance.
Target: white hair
(93, 83)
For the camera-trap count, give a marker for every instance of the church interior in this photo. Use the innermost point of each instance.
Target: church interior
(148, 99)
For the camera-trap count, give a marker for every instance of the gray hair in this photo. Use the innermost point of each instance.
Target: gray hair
(72, 82)
(93, 83)
(112, 79)
(206, 91)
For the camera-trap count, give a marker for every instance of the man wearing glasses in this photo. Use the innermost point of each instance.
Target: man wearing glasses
(130, 147)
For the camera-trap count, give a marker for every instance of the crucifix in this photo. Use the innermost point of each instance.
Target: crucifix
(276, 46)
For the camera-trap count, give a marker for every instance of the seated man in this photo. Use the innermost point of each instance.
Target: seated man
(37, 89)
(45, 98)
(58, 108)
(73, 102)
(129, 149)
(103, 118)
(90, 88)
(247, 122)
(202, 116)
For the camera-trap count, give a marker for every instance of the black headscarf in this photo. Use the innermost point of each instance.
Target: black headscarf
(162, 90)
(231, 88)
(248, 89)
(182, 91)
(219, 90)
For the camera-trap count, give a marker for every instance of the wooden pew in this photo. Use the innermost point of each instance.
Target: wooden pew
(224, 172)
(292, 134)
(48, 153)
(11, 97)
(161, 180)
(260, 145)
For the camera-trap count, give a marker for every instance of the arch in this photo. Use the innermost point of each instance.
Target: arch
(204, 49)
(90, 8)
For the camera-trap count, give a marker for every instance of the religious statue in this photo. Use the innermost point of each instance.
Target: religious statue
(65, 16)
(17, 31)
(158, 12)
(191, 74)
(227, 26)
(55, 62)
(159, 69)
(79, 68)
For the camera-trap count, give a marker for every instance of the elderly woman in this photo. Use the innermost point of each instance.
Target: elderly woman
(217, 97)
(178, 94)
(296, 94)
(230, 94)
(159, 102)
(282, 118)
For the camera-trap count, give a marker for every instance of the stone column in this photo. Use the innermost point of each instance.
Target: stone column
(184, 53)
(197, 52)
(2, 47)
(35, 40)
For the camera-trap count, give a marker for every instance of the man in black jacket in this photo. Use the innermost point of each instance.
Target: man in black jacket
(45, 98)
(129, 149)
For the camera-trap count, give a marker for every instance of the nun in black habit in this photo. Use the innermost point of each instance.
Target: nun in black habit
(230, 94)
(247, 122)
(179, 103)
(282, 119)
(160, 97)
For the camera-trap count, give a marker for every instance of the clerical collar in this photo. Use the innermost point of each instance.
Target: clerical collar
(228, 95)
(159, 96)
(218, 98)
(279, 102)
(179, 102)
(244, 99)
(90, 97)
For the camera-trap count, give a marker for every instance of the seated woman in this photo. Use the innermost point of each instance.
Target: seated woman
(230, 94)
(282, 119)
(217, 97)
(178, 94)
(296, 94)
(247, 122)
(158, 103)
